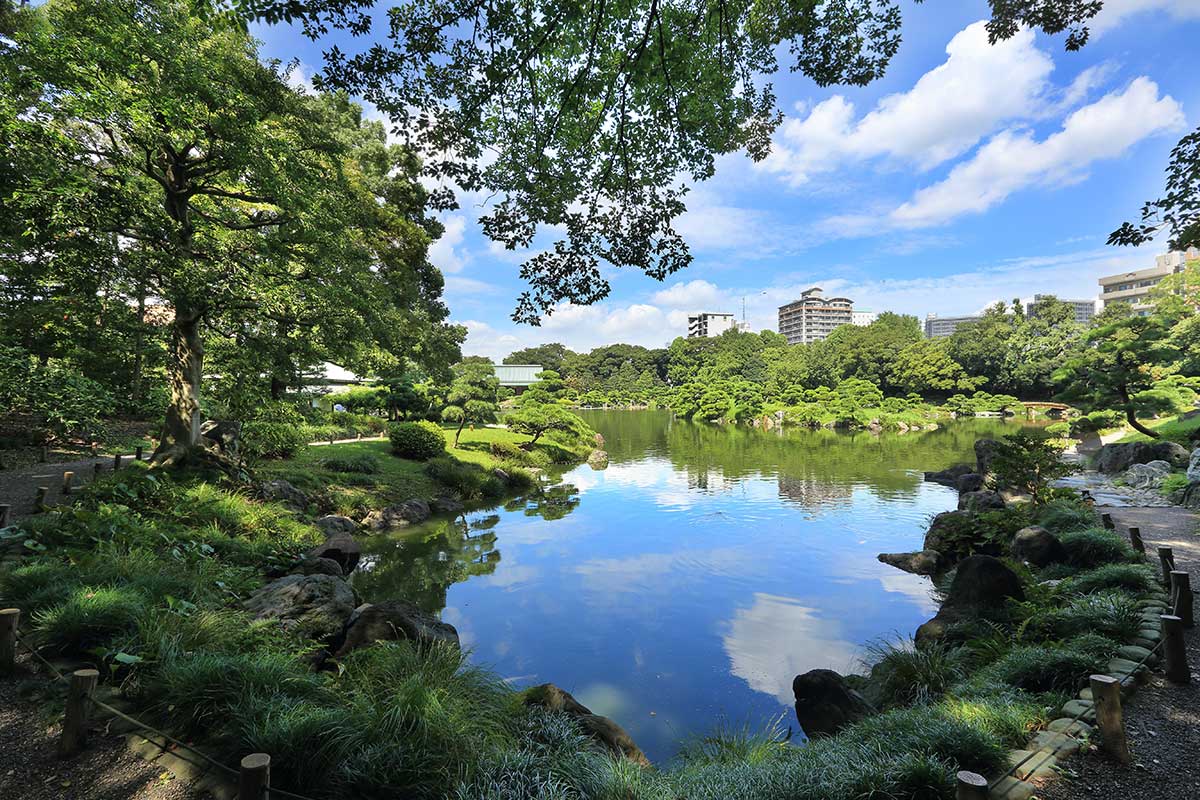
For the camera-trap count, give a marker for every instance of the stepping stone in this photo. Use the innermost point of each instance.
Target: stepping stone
(1150, 604)
(1009, 788)
(1069, 727)
(1146, 643)
(1085, 694)
(1081, 708)
(1119, 667)
(1058, 744)
(1134, 653)
(1040, 764)
(1153, 634)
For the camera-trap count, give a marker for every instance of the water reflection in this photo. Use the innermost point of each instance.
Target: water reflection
(695, 576)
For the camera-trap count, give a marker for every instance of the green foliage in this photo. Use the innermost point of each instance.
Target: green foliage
(903, 672)
(1064, 515)
(472, 397)
(1028, 464)
(267, 440)
(472, 482)
(365, 464)
(1096, 546)
(1175, 482)
(537, 420)
(90, 616)
(1041, 668)
(1131, 577)
(1112, 614)
(419, 441)
(58, 401)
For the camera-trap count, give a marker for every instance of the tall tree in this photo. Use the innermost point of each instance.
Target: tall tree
(244, 199)
(472, 396)
(596, 117)
(548, 356)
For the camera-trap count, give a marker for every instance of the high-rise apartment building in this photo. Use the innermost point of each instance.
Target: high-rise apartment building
(936, 327)
(1134, 287)
(710, 324)
(813, 317)
(863, 318)
(1084, 309)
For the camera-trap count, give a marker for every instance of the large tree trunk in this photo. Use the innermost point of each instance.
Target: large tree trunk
(181, 429)
(1139, 427)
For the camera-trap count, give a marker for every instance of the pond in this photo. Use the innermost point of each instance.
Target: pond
(685, 585)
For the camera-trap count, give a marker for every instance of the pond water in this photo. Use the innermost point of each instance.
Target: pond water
(686, 585)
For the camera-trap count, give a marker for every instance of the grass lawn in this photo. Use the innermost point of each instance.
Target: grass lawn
(1179, 429)
(393, 480)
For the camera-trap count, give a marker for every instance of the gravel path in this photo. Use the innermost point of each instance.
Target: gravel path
(18, 487)
(1162, 721)
(30, 768)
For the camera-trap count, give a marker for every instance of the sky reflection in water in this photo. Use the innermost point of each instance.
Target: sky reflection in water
(691, 580)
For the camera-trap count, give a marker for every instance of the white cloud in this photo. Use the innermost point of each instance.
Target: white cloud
(691, 295)
(949, 109)
(457, 284)
(299, 76)
(1013, 159)
(484, 340)
(1115, 12)
(445, 253)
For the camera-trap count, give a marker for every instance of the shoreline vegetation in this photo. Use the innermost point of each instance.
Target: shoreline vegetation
(164, 581)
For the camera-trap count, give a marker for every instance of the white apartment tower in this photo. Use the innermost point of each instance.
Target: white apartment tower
(708, 323)
(813, 317)
(1134, 287)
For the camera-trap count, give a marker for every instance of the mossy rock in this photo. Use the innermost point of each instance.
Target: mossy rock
(1080, 708)
(1071, 727)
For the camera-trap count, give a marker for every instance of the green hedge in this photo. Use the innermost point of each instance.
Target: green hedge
(419, 441)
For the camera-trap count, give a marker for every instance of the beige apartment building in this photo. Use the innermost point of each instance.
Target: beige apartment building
(1134, 287)
(813, 317)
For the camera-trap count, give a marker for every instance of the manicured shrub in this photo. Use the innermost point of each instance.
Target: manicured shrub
(1112, 614)
(1134, 577)
(1096, 546)
(364, 464)
(267, 440)
(89, 617)
(1061, 516)
(419, 441)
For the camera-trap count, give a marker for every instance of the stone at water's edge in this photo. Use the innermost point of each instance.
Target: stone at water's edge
(597, 459)
(398, 515)
(825, 704)
(602, 729)
(1193, 469)
(922, 562)
(949, 477)
(983, 582)
(335, 523)
(315, 605)
(390, 620)
(985, 451)
(1038, 546)
(312, 565)
(971, 482)
(339, 547)
(980, 501)
(941, 529)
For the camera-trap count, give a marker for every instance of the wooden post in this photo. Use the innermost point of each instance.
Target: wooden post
(1166, 558)
(1135, 538)
(39, 502)
(1106, 694)
(44, 454)
(10, 618)
(971, 786)
(79, 703)
(1175, 650)
(1107, 520)
(68, 477)
(254, 780)
(137, 453)
(96, 470)
(116, 462)
(5, 511)
(1181, 597)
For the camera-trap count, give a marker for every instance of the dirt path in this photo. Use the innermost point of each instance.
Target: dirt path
(18, 487)
(1162, 721)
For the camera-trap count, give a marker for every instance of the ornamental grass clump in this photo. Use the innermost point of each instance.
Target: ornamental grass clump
(1093, 547)
(89, 617)
(1112, 614)
(1130, 577)
(1061, 516)
(903, 672)
(1038, 668)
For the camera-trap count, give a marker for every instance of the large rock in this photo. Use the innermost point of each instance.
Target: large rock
(339, 547)
(1189, 497)
(922, 562)
(333, 524)
(445, 505)
(598, 459)
(944, 530)
(1120, 456)
(394, 619)
(1038, 546)
(985, 451)
(602, 729)
(315, 605)
(983, 582)
(825, 704)
(949, 477)
(1193, 469)
(222, 435)
(1146, 476)
(310, 565)
(971, 482)
(280, 491)
(980, 501)
(398, 516)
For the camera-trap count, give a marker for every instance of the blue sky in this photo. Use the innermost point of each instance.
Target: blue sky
(971, 173)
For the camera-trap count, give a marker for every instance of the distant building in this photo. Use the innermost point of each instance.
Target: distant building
(1084, 309)
(1134, 287)
(863, 318)
(710, 324)
(813, 317)
(937, 327)
(517, 376)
